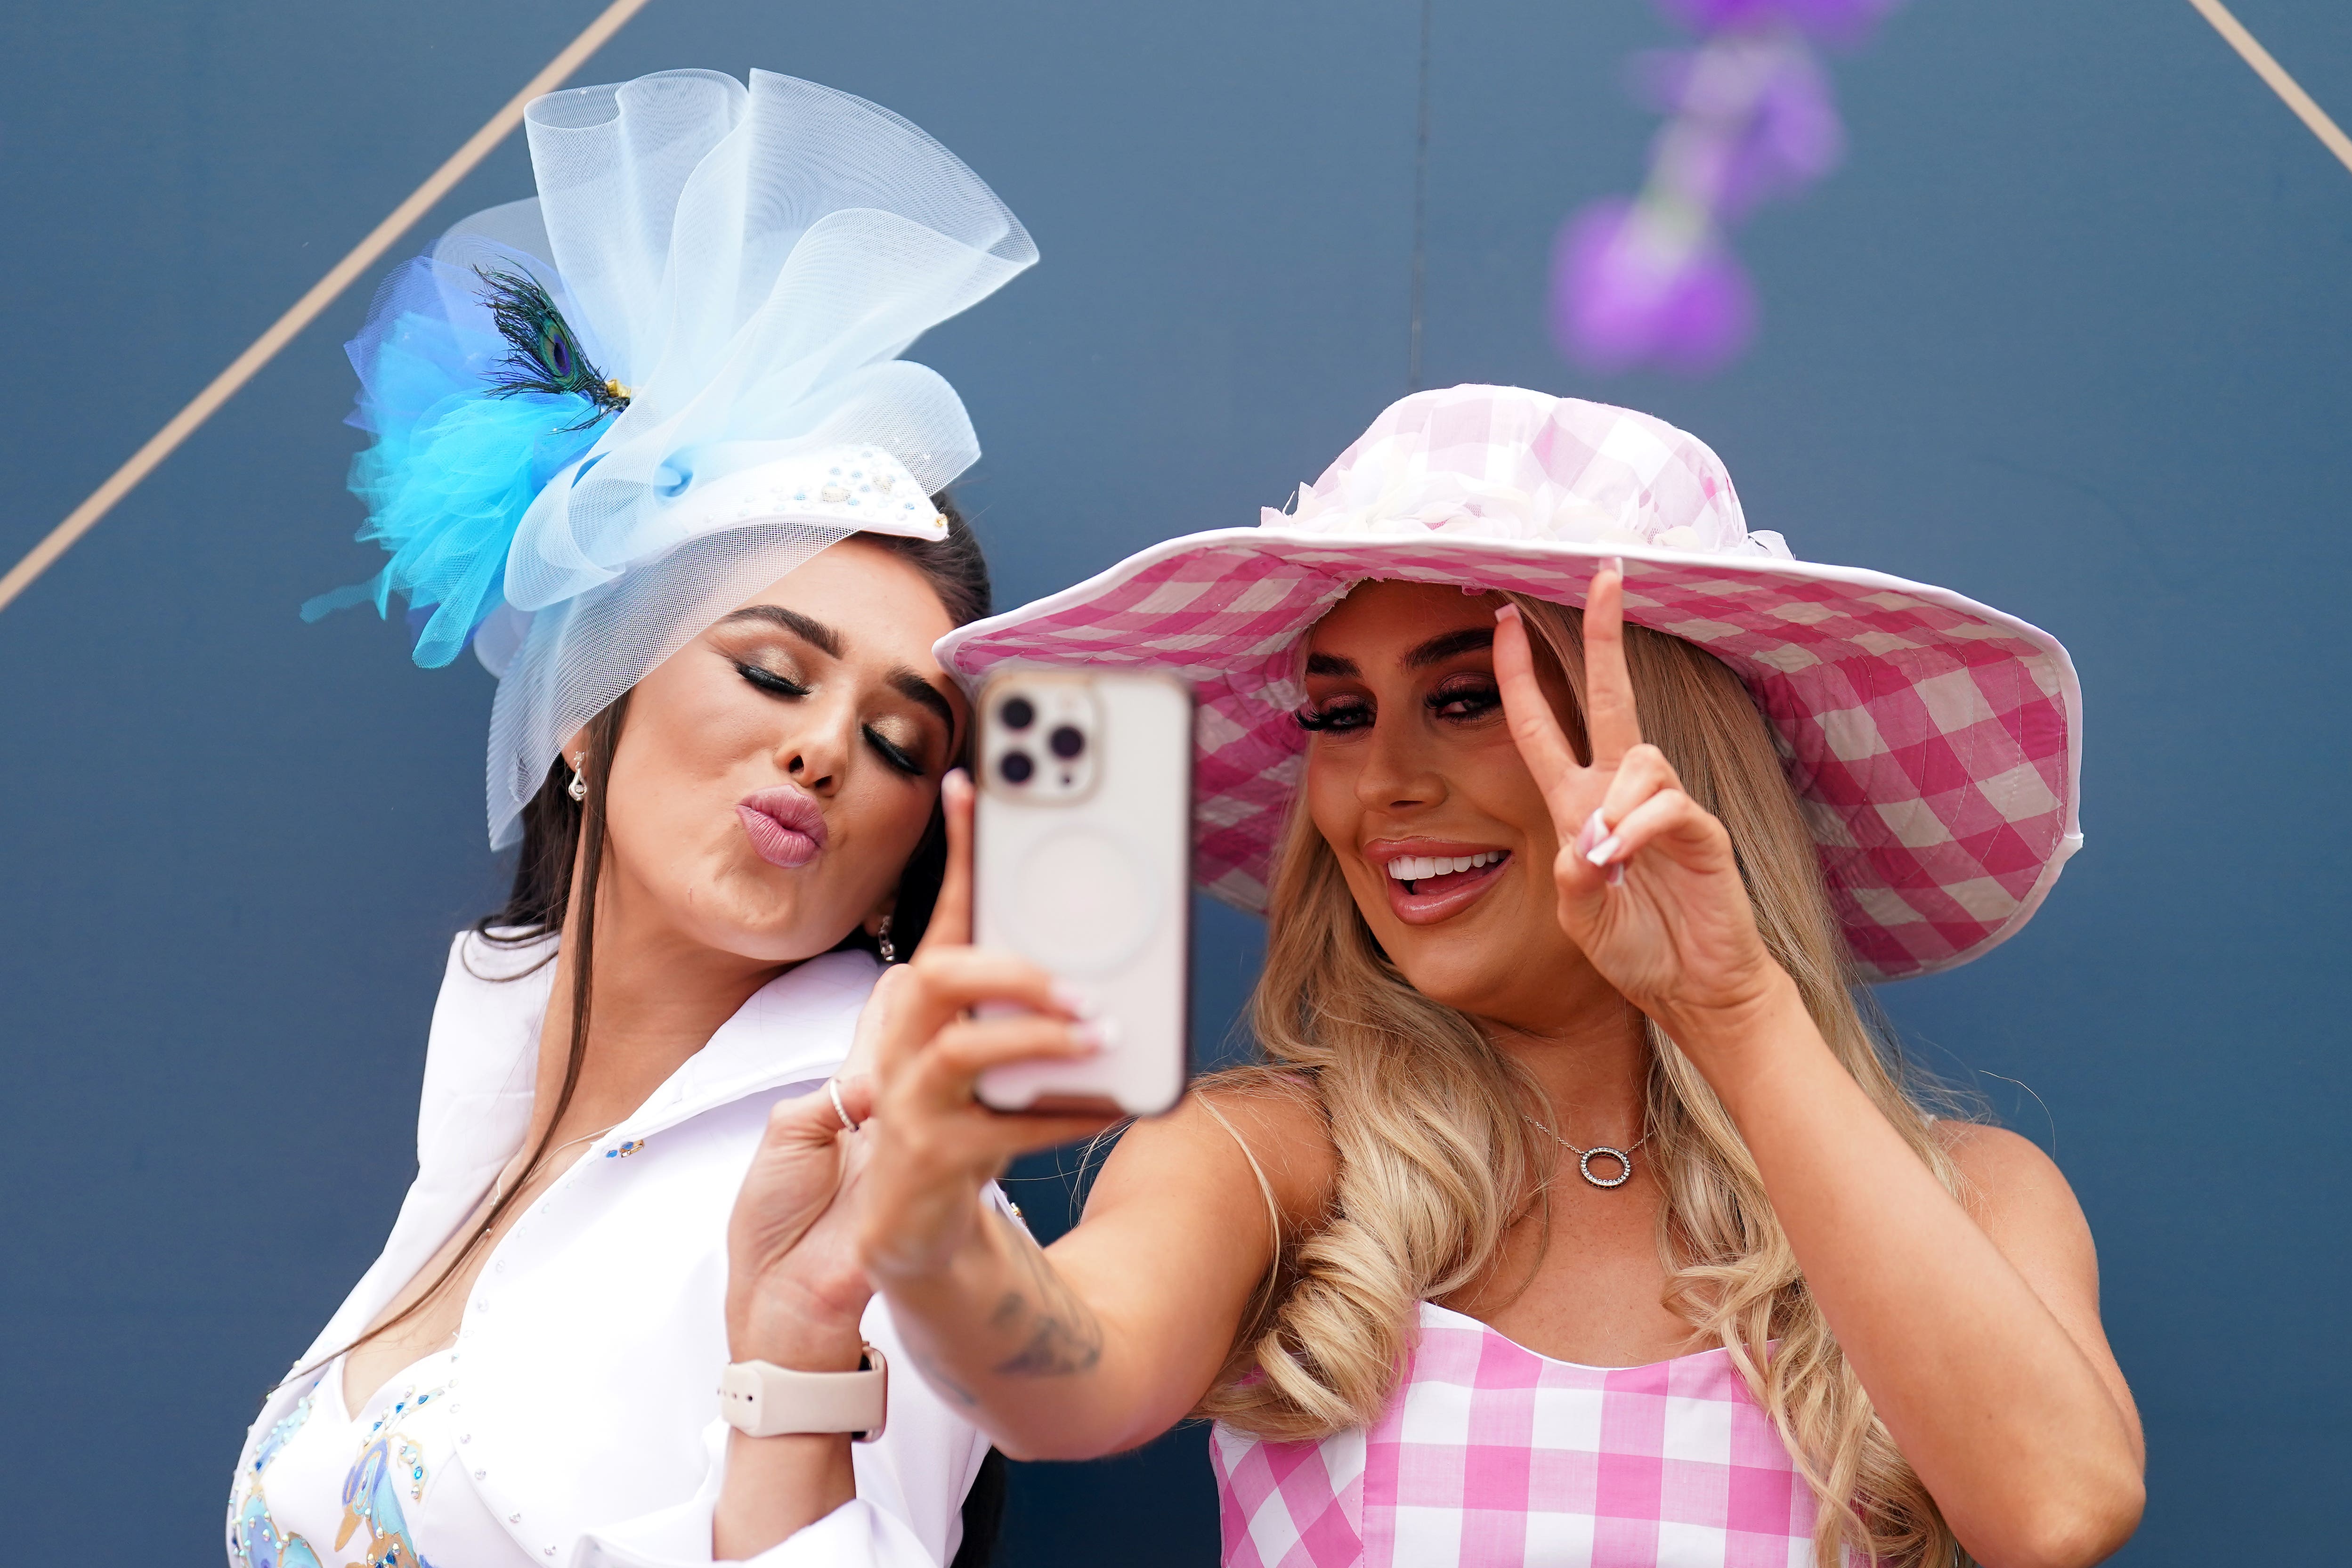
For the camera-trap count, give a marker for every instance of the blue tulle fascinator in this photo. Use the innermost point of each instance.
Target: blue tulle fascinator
(477, 393)
(605, 415)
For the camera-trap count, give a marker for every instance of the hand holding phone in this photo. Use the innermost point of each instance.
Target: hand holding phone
(932, 1029)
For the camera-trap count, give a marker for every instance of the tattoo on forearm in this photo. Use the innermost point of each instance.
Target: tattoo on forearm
(1061, 1334)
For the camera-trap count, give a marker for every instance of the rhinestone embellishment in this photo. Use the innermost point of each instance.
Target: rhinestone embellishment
(1624, 1166)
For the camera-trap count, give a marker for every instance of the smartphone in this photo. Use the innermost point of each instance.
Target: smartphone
(1081, 863)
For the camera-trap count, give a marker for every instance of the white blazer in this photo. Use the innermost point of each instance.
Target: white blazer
(588, 1359)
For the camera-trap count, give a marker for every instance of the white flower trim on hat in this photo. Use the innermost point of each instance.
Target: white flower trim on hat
(1934, 743)
(1390, 488)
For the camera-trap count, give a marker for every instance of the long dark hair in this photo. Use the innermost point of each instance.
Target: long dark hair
(560, 834)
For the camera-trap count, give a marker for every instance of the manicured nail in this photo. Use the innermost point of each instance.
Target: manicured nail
(1610, 563)
(1505, 612)
(1605, 851)
(1073, 1001)
(1095, 1034)
(1617, 873)
(1593, 831)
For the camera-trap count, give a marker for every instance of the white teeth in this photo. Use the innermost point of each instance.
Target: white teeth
(1416, 868)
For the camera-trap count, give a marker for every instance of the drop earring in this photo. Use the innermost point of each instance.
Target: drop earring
(578, 788)
(882, 942)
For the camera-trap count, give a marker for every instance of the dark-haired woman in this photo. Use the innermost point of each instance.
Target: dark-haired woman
(643, 445)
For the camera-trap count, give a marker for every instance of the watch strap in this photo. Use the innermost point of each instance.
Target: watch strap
(761, 1399)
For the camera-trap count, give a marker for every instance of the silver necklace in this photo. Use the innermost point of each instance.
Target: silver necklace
(1584, 1157)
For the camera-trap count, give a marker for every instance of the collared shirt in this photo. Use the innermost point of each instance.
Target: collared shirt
(587, 1360)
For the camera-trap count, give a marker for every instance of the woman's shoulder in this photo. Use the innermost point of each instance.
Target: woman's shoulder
(1984, 1151)
(1258, 1128)
(2004, 1175)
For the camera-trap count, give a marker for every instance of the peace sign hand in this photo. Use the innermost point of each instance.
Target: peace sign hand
(1649, 888)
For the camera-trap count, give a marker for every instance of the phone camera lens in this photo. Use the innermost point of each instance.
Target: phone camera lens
(1016, 767)
(1066, 742)
(1018, 713)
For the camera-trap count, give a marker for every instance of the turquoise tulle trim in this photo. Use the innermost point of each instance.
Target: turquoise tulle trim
(453, 468)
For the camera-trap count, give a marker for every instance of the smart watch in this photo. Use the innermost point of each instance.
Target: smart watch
(761, 1399)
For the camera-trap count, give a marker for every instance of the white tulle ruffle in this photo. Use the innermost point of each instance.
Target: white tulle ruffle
(748, 261)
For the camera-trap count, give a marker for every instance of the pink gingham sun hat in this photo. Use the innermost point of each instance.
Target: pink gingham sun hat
(1934, 743)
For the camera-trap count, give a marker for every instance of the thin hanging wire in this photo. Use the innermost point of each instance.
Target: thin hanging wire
(2289, 91)
(306, 309)
(1419, 208)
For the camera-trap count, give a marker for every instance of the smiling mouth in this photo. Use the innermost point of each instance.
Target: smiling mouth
(1425, 890)
(1421, 875)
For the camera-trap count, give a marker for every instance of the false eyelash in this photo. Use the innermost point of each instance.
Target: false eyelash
(1487, 697)
(893, 755)
(1314, 719)
(547, 356)
(768, 680)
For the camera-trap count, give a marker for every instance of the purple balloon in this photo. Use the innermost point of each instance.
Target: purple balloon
(1794, 138)
(1617, 300)
(1750, 118)
(1790, 135)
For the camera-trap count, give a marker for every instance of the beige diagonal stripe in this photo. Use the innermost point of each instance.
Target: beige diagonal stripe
(306, 309)
(2271, 71)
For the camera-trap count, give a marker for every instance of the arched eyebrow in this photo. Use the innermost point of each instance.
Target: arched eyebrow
(1436, 650)
(910, 684)
(815, 632)
(1447, 645)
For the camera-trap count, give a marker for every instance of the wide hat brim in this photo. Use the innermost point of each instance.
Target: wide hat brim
(1935, 744)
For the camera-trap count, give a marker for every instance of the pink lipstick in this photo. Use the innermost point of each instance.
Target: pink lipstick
(786, 827)
(1430, 879)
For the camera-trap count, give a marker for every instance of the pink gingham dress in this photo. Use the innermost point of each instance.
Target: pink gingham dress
(1492, 1455)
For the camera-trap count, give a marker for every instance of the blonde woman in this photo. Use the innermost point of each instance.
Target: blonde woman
(1580, 1215)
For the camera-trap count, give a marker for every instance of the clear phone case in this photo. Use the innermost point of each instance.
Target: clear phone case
(1081, 863)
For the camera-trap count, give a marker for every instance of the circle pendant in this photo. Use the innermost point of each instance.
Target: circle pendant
(1624, 1166)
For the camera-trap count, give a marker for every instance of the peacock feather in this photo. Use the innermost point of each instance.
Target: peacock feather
(546, 355)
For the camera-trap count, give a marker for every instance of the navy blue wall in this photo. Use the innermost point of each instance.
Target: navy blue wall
(2068, 334)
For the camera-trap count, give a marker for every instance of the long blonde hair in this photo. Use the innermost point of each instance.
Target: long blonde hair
(1437, 1156)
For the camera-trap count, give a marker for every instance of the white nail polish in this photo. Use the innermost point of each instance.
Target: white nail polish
(1593, 831)
(1605, 851)
(1073, 1001)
